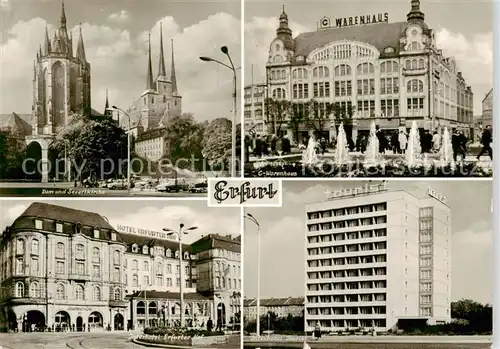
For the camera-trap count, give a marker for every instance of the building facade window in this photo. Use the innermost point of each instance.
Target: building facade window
(366, 87)
(389, 86)
(60, 269)
(343, 88)
(343, 70)
(321, 72)
(35, 246)
(60, 250)
(321, 89)
(365, 69)
(60, 291)
(116, 274)
(135, 265)
(38, 224)
(20, 246)
(415, 86)
(390, 67)
(34, 267)
(96, 270)
(79, 292)
(19, 265)
(278, 93)
(19, 290)
(80, 251)
(146, 266)
(389, 107)
(34, 290)
(300, 91)
(299, 73)
(80, 268)
(117, 294)
(415, 104)
(96, 293)
(96, 255)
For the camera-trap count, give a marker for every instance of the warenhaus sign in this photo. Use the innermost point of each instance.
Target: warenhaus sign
(355, 20)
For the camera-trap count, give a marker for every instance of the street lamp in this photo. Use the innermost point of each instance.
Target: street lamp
(254, 221)
(231, 67)
(128, 147)
(179, 234)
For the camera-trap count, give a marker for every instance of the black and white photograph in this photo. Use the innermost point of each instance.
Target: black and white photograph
(371, 264)
(118, 98)
(398, 88)
(119, 274)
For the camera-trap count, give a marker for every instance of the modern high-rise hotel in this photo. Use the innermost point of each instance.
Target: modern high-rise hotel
(377, 257)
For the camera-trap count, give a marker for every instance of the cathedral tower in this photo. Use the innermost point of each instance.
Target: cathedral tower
(61, 81)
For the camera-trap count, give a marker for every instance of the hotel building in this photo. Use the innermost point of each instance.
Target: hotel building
(373, 70)
(377, 257)
(66, 268)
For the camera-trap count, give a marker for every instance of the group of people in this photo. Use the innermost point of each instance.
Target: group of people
(388, 141)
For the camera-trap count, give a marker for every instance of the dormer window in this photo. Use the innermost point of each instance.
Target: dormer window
(135, 248)
(168, 253)
(299, 59)
(144, 249)
(278, 47)
(113, 236)
(389, 50)
(176, 254)
(38, 224)
(186, 255)
(59, 227)
(96, 233)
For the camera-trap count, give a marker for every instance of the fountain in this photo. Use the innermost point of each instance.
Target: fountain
(309, 157)
(372, 154)
(342, 148)
(413, 150)
(446, 151)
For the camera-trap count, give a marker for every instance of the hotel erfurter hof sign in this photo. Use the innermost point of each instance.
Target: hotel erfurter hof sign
(143, 232)
(341, 22)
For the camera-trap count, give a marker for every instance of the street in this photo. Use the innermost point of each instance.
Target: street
(68, 189)
(72, 340)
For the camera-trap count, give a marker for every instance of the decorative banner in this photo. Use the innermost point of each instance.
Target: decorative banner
(435, 195)
(232, 192)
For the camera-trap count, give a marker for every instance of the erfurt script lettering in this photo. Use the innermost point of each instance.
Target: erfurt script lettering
(244, 192)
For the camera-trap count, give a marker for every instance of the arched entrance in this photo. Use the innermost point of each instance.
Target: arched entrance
(12, 319)
(221, 316)
(95, 320)
(34, 321)
(62, 321)
(33, 158)
(118, 321)
(79, 324)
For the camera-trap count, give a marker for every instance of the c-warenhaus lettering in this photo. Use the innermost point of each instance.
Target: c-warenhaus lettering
(359, 20)
(245, 192)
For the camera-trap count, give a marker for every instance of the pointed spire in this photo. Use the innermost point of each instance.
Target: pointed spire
(161, 67)
(62, 21)
(47, 41)
(149, 81)
(80, 49)
(34, 70)
(107, 101)
(284, 32)
(70, 44)
(172, 71)
(40, 51)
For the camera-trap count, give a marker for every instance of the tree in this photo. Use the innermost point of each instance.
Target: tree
(297, 118)
(277, 112)
(184, 138)
(217, 143)
(478, 316)
(317, 115)
(96, 145)
(12, 153)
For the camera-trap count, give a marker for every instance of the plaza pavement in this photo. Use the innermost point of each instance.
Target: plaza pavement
(81, 340)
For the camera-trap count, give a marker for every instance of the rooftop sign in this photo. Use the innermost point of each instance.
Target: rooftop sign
(143, 232)
(433, 194)
(364, 190)
(326, 22)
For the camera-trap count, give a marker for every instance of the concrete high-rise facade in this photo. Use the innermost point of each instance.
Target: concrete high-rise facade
(376, 257)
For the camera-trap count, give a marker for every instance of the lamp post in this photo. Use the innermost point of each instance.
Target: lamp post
(179, 234)
(231, 67)
(128, 147)
(254, 221)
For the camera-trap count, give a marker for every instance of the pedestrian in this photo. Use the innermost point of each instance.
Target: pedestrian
(317, 331)
(486, 140)
(436, 142)
(403, 141)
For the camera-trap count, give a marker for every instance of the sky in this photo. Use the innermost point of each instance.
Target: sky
(282, 237)
(146, 214)
(463, 30)
(115, 35)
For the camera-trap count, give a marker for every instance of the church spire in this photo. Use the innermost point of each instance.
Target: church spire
(62, 21)
(161, 65)
(47, 42)
(80, 49)
(149, 81)
(284, 32)
(172, 71)
(415, 13)
(106, 107)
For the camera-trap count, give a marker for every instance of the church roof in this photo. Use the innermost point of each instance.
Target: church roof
(16, 123)
(380, 35)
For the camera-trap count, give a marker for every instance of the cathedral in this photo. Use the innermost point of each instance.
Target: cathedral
(61, 81)
(160, 99)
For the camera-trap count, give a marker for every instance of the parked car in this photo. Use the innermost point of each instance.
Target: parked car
(199, 188)
(118, 184)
